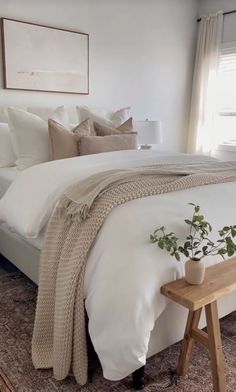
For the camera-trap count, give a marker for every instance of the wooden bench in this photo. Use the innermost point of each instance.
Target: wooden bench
(220, 280)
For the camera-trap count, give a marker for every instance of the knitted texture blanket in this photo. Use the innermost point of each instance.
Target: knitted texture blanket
(59, 338)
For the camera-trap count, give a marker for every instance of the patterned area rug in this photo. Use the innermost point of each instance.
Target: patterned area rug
(17, 306)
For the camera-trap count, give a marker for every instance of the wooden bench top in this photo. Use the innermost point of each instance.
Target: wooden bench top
(220, 279)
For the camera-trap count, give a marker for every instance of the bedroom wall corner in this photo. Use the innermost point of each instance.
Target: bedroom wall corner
(141, 54)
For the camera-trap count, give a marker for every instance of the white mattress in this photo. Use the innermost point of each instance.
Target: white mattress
(7, 176)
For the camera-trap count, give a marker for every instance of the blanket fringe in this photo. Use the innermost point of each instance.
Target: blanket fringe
(72, 211)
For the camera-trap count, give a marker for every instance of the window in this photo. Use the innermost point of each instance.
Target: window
(226, 121)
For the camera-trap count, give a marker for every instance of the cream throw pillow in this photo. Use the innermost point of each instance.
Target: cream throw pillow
(103, 130)
(30, 136)
(103, 116)
(49, 112)
(98, 144)
(64, 142)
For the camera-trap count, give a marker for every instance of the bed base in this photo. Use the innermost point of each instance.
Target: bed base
(20, 253)
(138, 379)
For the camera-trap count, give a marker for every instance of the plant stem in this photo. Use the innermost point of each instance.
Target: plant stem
(191, 233)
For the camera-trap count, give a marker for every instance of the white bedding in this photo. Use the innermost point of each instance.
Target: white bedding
(40, 186)
(124, 271)
(7, 176)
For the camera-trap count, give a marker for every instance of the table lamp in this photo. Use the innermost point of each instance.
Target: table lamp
(149, 132)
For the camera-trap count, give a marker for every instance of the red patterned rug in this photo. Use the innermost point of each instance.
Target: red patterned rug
(17, 306)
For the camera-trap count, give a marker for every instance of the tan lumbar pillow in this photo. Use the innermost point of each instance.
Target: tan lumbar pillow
(103, 130)
(64, 142)
(98, 144)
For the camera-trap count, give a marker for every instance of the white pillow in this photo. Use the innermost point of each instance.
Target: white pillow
(30, 136)
(102, 116)
(7, 155)
(47, 112)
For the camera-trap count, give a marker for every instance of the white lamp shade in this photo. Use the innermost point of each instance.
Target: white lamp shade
(149, 132)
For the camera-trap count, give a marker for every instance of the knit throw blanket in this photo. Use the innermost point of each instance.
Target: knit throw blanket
(59, 338)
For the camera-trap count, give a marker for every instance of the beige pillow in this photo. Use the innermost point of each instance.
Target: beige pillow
(64, 142)
(103, 130)
(97, 144)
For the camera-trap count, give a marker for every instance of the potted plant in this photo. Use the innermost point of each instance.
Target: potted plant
(197, 246)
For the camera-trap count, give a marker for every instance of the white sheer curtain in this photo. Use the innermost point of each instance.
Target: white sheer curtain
(204, 97)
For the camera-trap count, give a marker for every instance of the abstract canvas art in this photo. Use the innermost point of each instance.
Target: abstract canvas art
(42, 58)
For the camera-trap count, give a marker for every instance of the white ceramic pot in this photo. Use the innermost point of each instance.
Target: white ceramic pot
(195, 271)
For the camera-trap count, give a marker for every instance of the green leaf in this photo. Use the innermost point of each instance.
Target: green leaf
(200, 218)
(177, 256)
(189, 237)
(231, 252)
(197, 253)
(161, 244)
(186, 253)
(188, 221)
(222, 251)
(187, 244)
(233, 232)
(229, 240)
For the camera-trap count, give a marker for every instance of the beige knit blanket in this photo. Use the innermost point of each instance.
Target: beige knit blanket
(59, 338)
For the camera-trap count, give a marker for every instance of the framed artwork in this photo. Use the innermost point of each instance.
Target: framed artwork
(41, 58)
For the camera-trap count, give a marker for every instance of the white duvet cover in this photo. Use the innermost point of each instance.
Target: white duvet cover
(124, 271)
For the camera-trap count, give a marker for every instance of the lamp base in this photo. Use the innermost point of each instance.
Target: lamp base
(145, 146)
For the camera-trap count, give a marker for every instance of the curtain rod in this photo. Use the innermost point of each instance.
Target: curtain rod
(225, 13)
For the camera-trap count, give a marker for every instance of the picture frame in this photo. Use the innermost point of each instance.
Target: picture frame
(44, 58)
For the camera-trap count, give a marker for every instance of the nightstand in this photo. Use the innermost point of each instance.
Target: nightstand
(225, 152)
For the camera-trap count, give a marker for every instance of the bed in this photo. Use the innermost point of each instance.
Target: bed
(125, 327)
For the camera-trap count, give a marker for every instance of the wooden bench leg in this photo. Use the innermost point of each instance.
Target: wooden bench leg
(215, 348)
(188, 342)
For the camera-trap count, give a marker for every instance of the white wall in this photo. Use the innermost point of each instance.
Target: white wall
(141, 54)
(210, 6)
